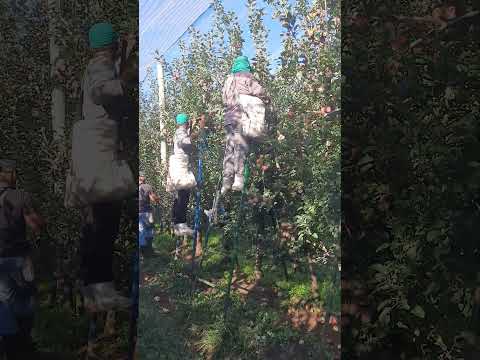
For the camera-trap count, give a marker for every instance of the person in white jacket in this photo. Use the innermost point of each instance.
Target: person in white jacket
(182, 146)
(104, 92)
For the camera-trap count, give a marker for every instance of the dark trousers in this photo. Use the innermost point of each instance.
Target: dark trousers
(180, 204)
(17, 300)
(20, 346)
(97, 243)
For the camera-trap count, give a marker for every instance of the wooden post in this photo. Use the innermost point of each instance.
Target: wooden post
(109, 328)
(58, 93)
(57, 109)
(161, 103)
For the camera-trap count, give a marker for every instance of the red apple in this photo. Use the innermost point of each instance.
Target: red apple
(260, 162)
(399, 43)
(360, 21)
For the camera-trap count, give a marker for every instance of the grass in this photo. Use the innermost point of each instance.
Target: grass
(60, 331)
(194, 327)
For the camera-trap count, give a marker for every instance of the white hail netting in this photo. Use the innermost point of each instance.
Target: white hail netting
(163, 22)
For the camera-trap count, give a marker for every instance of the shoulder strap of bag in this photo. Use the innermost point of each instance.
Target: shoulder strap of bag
(3, 193)
(82, 115)
(239, 104)
(82, 94)
(235, 89)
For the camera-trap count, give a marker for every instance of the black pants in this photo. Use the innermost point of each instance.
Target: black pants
(20, 346)
(19, 296)
(180, 204)
(97, 243)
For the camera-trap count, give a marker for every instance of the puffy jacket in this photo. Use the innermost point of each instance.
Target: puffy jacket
(182, 145)
(103, 91)
(239, 83)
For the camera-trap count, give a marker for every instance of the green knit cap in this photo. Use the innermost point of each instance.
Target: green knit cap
(181, 119)
(241, 64)
(101, 35)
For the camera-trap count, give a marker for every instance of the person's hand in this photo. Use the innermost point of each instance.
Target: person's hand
(129, 73)
(131, 39)
(202, 121)
(27, 269)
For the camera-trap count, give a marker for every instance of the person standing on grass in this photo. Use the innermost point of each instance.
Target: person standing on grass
(146, 197)
(17, 287)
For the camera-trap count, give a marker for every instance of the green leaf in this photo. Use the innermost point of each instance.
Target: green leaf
(432, 235)
(379, 268)
(383, 247)
(418, 312)
(439, 341)
(402, 325)
(383, 304)
(412, 252)
(384, 316)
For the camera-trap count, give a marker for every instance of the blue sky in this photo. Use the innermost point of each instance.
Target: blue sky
(163, 21)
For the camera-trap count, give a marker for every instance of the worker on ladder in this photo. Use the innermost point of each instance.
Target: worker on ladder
(244, 100)
(240, 84)
(104, 90)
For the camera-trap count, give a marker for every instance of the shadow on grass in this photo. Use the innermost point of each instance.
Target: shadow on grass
(175, 325)
(62, 334)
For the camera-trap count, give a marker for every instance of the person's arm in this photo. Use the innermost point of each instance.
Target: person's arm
(151, 194)
(129, 68)
(154, 198)
(257, 90)
(201, 125)
(184, 142)
(227, 90)
(105, 87)
(33, 220)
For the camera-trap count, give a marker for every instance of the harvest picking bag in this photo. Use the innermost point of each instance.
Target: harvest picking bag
(180, 177)
(253, 116)
(97, 174)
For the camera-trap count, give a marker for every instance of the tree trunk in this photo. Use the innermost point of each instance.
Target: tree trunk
(284, 267)
(313, 275)
(109, 328)
(258, 258)
(199, 249)
(161, 103)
